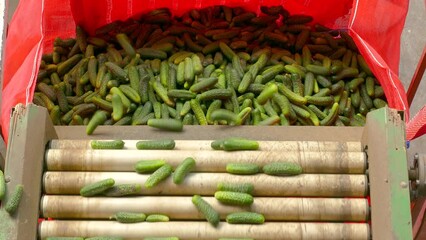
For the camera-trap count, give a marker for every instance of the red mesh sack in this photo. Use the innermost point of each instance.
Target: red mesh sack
(375, 25)
(416, 127)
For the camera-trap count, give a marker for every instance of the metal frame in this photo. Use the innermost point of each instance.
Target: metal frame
(383, 136)
(388, 175)
(25, 157)
(4, 20)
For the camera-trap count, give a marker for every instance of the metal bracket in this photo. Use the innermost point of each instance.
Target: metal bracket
(418, 194)
(417, 175)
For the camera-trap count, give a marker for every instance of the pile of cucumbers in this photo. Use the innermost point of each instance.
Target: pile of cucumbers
(217, 65)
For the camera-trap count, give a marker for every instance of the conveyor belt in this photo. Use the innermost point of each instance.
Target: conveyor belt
(204, 231)
(207, 160)
(314, 205)
(286, 146)
(318, 185)
(181, 208)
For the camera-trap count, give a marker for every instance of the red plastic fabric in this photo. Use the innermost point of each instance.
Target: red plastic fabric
(375, 25)
(416, 127)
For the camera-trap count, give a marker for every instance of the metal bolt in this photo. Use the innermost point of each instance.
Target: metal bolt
(416, 156)
(403, 184)
(7, 179)
(386, 181)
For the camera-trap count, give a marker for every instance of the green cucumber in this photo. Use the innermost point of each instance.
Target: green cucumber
(164, 111)
(185, 109)
(365, 97)
(206, 209)
(129, 217)
(320, 101)
(162, 93)
(282, 169)
(126, 102)
(378, 91)
(181, 94)
(183, 169)
(196, 64)
(180, 73)
(270, 121)
(130, 93)
(223, 114)
(188, 74)
(245, 218)
(157, 218)
(244, 114)
(240, 144)
(236, 238)
(332, 115)
(159, 175)
(369, 85)
(161, 238)
(174, 125)
(151, 53)
(234, 198)
(226, 50)
(64, 238)
(198, 111)
(283, 103)
(319, 70)
(309, 84)
(378, 103)
(124, 42)
(140, 114)
(104, 238)
(203, 84)
(363, 65)
(218, 144)
(2, 185)
(98, 118)
(123, 190)
(267, 93)
(157, 106)
(235, 187)
(355, 83)
(242, 168)
(215, 105)
(245, 82)
(12, 203)
(293, 97)
(97, 187)
(164, 73)
(148, 166)
(117, 71)
(164, 144)
(117, 106)
(101, 144)
(215, 94)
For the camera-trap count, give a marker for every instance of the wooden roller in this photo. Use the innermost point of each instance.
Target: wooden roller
(320, 185)
(204, 231)
(207, 160)
(181, 208)
(286, 146)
